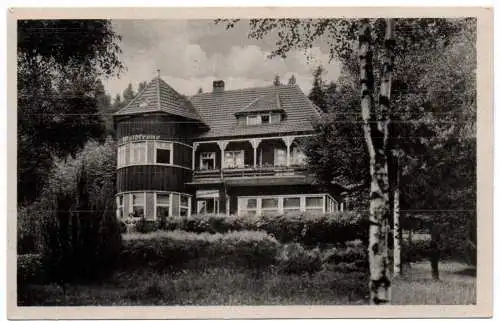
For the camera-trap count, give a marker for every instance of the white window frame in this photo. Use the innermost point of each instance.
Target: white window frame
(268, 115)
(169, 205)
(297, 156)
(233, 153)
(132, 149)
(295, 208)
(120, 206)
(322, 207)
(132, 204)
(243, 200)
(274, 209)
(157, 145)
(188, 207)
(207, 155)
(276, 158)
(258, 120)
(121, 156)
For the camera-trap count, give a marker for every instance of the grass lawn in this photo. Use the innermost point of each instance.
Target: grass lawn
(457, 285)
(224, 286)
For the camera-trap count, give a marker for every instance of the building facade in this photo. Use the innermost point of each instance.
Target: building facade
(224, 152)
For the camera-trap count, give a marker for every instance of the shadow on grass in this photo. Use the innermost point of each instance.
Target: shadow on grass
(470, 271)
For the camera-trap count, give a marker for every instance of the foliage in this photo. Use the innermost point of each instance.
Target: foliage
(57, 100)
(433, 117)
(292, 80)
(214, 286)
(295, 259)
(79, 231)
(165, 250)
(306, 228)
(277, 81)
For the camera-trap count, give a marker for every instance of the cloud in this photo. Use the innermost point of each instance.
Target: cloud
(187, 64)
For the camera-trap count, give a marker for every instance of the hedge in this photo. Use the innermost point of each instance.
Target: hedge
(249, 249)
(309, 229)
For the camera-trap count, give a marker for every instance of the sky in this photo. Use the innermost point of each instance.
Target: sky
(192, 53)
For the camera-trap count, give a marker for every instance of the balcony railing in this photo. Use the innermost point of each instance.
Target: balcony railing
(249, 171)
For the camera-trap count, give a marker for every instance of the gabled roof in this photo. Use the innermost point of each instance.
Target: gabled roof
(158, 96)
(218, 110)
(270, 102)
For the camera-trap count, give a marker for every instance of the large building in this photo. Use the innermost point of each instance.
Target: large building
(226, 151)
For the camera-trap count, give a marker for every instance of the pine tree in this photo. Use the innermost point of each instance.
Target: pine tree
(317, 94)
(200, 90)
(128, 94)
(276, 80)
(142, 85)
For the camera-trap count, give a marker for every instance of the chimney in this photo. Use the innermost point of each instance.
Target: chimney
(218, 86)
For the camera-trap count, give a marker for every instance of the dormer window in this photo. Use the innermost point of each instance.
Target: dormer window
(254, 120)
(258, 119)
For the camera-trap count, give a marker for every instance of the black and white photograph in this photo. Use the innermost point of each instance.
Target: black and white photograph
(257, 161)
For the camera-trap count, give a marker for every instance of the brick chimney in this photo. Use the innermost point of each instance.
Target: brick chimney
(218, 86)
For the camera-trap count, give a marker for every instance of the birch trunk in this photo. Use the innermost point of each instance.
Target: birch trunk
(397, 226)
(375, 127)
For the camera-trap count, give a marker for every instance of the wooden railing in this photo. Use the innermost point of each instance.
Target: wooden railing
(249, 171)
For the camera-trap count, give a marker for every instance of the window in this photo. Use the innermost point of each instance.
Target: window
(162, 206)
(208, 206)
(270, 206)
(291, 204)
(234, 159)
(254, 120)
(279, 157)
(163, 153)
(138, 204)
(121, 157)
(138, 153)
(265, 119)
(297, 157)
(314, 203)
(207, 160)
(184, 205)
(119, 206)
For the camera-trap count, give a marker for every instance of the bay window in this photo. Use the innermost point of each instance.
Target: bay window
(119, 206)
(121, 155)
(138, 204)
(163, 153)
(162, 206)
(138, 153)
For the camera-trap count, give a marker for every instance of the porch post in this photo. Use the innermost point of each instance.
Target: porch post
(255, 144)
(222, 145)
(288, 140)
(195, 147)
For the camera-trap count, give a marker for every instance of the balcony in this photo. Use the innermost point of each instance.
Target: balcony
(248, 171)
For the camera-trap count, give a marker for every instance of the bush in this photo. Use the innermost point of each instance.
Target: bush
(308, 228)
(81, 237)
(29, 269)
(295, 259)
(352, 257)
(166, 250)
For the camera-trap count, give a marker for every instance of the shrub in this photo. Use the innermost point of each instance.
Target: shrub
(162, 250)
(351, 257)
(295, 259)
(81, 237)
(308, 228)
(29, 269)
